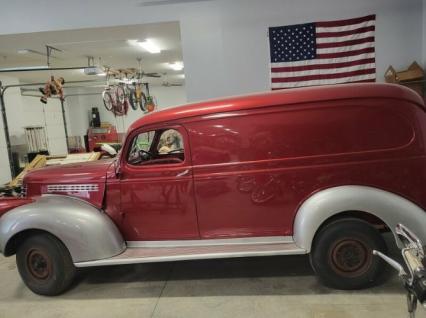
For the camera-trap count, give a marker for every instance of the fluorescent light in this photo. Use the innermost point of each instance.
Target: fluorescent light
(177, 66)
(23, 51)
(150, 46)
(20, 68)
(101, 74)
(133, 42)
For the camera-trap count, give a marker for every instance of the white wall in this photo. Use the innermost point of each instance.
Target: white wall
(166, 97)
(23, 111)
(424, 34)
(224, 42)
(48, 116)
(78, 108)
(28, 111)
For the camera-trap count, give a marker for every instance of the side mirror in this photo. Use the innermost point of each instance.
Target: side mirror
(144, 155)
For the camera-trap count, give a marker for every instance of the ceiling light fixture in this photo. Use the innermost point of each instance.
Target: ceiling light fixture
(176, 66)
(150, 46)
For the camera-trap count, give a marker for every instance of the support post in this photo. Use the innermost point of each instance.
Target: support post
(65, 124)
(6, 130)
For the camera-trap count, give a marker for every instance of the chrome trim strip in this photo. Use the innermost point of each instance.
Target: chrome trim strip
(72, 187)
(294, 250)
(212, 242)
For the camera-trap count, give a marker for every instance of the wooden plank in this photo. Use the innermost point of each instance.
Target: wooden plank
(74, 158)
(41, 160)
(38, 162)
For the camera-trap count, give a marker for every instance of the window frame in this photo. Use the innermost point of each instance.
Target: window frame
(131, 137)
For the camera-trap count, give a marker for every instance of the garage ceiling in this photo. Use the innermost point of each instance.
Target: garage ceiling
(109, 46)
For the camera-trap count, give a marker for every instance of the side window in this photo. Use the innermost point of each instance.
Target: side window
(170, 142)
(163, 146)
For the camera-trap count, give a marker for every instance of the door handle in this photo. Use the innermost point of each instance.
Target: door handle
(183, 173)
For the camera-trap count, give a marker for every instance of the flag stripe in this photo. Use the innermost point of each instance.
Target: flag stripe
(322, 66)
(323, 61)
(346, 37)
(344, 28)
(346, 22)
(321, 76)
(345, 48)
(345, 43)
(356, 81)
(353, 32)
(350, 79)
(330, 71)
(343, 54)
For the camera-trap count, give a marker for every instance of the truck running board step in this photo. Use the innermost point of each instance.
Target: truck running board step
(135, 255)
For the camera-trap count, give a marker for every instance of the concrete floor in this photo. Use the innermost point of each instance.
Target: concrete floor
(251, 287)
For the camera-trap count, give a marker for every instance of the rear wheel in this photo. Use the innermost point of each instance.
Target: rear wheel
(108, 101)
(142, 101)
(45, 265)
(120, 94)
(342, 254)
(133, 99)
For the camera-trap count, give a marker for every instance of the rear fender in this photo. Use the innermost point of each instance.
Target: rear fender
(87, 232)
(389, 207)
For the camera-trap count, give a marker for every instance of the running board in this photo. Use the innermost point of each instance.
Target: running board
(135, 255)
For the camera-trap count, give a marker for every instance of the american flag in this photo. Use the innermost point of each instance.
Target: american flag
(322, 53)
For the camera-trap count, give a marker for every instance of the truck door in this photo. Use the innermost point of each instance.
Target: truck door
(157, 190)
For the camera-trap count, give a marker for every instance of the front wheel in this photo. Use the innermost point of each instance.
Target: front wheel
(342, 254)
(45, 265)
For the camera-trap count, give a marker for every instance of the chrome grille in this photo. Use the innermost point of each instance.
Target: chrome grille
(72, 188)
(24, 190)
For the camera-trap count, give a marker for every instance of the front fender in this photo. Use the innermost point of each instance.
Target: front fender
(389, 207)
(87, 232)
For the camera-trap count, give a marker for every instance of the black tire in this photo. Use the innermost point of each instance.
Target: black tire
(108, 101)
(120, 94)
(132, 99)
(342, 255)
(45, 265)
(142, 102)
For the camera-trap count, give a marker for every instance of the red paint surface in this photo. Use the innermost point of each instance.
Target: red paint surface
(251, 161)
(98, 135)
(7, 204)
(158, 201)
(93, 172)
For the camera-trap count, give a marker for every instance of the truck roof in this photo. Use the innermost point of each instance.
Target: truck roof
(282, 97)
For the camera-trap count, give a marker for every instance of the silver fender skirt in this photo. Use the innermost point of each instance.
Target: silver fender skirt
(86, 231)
(389, 207)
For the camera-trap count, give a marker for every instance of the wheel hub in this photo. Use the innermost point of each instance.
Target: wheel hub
(350, 257)
(39, 264)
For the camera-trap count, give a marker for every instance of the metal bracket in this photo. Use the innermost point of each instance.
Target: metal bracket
(6, 130)
(49, 50)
